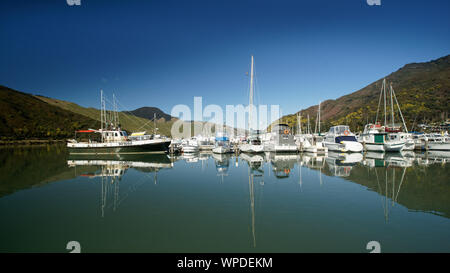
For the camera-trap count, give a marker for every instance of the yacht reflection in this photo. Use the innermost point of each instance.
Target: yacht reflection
(255, 161)
(398, 160)
(255, 175)
(282, 164)
(111, 169)
(222, 162)
(341, 164)
(190, 157)
(386, 191)
(312, 161)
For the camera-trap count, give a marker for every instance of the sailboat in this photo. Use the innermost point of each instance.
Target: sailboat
(253, 144)
(375, 137)
(313, 143)
(114, 140)
(394, 132)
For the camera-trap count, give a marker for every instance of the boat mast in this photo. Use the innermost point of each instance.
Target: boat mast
(319, 116)
(384, 92)
(251, 98)
(379, 102)
(309, 128)
(101, 114)
(299, 123)
(154, 123)
(392, 108)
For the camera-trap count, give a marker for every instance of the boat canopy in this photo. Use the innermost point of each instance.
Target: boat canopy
(340, 129)
(86, 131)
(223, 138)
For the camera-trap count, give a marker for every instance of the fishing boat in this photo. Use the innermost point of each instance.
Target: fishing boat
(281, 140)
(222, 144)
(111, 139)
(340, 138)
(253, 143)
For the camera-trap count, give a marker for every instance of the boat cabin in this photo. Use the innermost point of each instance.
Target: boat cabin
(340, 133)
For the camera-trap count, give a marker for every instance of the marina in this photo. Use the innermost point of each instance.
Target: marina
(264, 202)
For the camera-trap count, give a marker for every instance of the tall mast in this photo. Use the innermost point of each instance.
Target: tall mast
(115, 111)
(392, 107)
(299, 123)
(251, 98)
(101, 112)
(384, 92)
(154, 123)
(309, 128)
(319, 116)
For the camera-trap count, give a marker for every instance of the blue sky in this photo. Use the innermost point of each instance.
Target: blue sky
(163, 53)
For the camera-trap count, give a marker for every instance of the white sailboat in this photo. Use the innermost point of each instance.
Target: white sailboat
(253, 144)
(374, 137)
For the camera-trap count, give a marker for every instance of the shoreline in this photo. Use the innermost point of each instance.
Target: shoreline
(31, 142)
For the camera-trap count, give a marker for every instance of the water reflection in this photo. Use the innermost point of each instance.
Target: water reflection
(385, 172)
(111, 168)
(387, 190)
(282, 164)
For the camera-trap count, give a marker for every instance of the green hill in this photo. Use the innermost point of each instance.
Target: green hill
(128, 121)
(23, 116)
(422, 90)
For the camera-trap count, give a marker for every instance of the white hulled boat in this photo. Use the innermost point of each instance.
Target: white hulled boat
(253, 143)
(340, 138)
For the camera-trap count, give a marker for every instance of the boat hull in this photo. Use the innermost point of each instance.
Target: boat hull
(249, 148)
(145, 147)
(345, 146)
(439, 146)
(374, 147)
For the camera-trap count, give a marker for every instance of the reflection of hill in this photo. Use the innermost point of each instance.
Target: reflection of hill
(27, 166)
(423, 189)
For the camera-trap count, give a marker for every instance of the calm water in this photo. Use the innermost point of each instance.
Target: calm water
(213, 203)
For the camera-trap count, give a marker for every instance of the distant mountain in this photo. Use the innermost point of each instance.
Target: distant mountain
(422, 90)
(149, 112)
(128, 120)
(23, 116)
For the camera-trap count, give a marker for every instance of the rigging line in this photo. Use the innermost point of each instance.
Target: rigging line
(379, 102)
(130, 115)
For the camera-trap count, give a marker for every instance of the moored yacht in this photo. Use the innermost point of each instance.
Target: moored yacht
(339, 138)
(375, 139)
(222, 144)
(281, 140)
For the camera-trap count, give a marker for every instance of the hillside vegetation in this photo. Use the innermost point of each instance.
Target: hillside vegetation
(23, 116)
(128, 121)
(422, 90)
